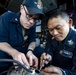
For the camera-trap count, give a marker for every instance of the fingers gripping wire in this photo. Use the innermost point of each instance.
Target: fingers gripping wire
(18, 64)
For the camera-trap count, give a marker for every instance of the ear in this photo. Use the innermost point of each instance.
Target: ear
(22, 8)
(70, 23)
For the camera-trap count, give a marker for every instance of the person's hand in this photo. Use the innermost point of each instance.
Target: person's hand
(46, 58)
(33, 60)
(21, 58)
(51, 71)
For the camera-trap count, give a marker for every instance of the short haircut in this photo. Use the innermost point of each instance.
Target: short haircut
(57, 13)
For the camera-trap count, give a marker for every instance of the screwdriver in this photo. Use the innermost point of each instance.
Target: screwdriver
(43, 61)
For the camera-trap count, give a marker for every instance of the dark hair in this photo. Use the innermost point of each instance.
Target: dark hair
(57, 13)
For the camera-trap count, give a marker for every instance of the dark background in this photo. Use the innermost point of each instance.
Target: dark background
(49, 5)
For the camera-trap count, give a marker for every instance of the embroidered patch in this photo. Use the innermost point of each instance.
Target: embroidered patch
(70, 42)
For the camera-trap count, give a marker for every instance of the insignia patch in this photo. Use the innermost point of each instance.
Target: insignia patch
(39, 4)
(70, 42)
(66, 53)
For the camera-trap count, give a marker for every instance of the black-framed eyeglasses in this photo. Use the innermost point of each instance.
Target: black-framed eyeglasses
(29, 16)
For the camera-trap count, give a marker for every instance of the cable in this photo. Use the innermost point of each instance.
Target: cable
(19, 64)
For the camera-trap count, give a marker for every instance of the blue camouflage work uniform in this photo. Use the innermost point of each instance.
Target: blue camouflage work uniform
(11, 32)
(63, 53)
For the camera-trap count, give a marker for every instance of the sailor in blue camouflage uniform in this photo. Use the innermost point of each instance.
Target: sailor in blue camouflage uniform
(17, 34)
(60, 50)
